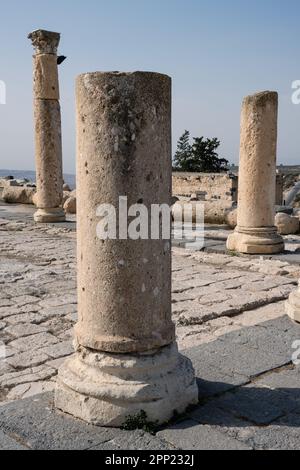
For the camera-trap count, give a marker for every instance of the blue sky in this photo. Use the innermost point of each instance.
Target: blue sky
(216, 51)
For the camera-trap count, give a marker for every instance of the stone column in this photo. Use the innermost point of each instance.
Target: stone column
(126, 358)
(255, 232)
(48, 145)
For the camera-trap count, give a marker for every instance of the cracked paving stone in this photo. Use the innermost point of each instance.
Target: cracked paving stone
(30, 389)
(22, 330)
(8, 443)
(36, 342)
(59, 302)
(34, 374)
(59, 350)
(261, 406)
(190, 435)
(35, 421)
(28, 359)
(135, 440)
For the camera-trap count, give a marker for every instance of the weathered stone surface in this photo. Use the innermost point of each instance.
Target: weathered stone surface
(49, 429)
(61, 349)
(135, 440)
(231, 218)
(37, 265)
(30, 390)
(44, 42)
(22, 330)
(292, 306)
(36, 341)
(4, 366)
(153, 382)
(255, 232)
(259, 406)
(211, 186)
(124, 123)
(48, 144)
(18, 195)
(97, 262)
(70, 205)
(258, 413)
(287, 224)
(46, 85)
(28, 359)
(282, 435)
(48, 160)
(214, 212)
(34, 374)
(189, 435)
(8, 443)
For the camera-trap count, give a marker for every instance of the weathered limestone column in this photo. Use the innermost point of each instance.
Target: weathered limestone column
(126, 356)
(48, 144)
(255, 232)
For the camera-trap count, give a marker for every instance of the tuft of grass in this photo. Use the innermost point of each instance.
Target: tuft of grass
(233, 253)
(140, 421)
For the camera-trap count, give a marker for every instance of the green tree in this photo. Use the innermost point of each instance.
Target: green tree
(205, 158)
(183, 153)
(200, 157)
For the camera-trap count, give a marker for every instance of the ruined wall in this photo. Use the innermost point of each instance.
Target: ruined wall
(214, 187)
(211, 187)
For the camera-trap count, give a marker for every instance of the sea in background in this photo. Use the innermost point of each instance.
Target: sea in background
(30, 175)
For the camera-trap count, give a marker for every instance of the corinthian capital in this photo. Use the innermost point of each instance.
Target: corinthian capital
(44, 42)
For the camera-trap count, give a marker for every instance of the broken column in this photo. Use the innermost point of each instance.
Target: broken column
(48, 144)
(256, 232)
(126, 358)
(292, 305)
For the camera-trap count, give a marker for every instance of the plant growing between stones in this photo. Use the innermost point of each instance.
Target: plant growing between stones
(140, 421)
(233, 253)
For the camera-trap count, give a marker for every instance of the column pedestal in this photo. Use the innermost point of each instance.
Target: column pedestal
(50, 215)
(106, 389)
(262, 240)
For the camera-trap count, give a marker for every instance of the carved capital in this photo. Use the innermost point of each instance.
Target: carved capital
(44, 42)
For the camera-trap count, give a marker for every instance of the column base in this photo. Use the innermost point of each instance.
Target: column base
(50, 215)
(256, 241)
(107, 389)
(292, 305)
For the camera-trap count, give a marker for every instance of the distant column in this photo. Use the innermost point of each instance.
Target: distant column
(47, 115)
(126, 358)
(255, 232)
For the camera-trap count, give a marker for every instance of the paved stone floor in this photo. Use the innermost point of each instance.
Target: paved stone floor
(229, 312)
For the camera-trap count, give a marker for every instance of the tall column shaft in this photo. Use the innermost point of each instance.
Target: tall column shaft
(255, 232)
(132, 146)
(126, 358)
(47, 116)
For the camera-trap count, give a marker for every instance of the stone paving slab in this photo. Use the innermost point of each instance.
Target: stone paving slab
(260, 414)
(235, 412)
(8, 443)
(190, 435)
(39, 426)
(242, 355)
